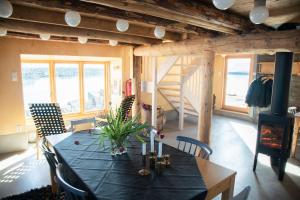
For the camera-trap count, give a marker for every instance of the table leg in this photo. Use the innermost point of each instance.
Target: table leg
(228, 193)
(295, 136)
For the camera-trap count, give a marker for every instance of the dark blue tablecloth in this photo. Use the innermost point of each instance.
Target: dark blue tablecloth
(117, 178)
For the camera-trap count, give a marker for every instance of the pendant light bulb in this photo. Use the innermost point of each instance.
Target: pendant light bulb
(113, 43)
(82, 40)
(122, 25)
(45, 36)
(3, 31)
(72, 18)
(223, 4)
(259, 14)
(159, 32)
(6, 9)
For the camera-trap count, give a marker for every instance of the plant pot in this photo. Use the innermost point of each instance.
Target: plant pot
(118, 148)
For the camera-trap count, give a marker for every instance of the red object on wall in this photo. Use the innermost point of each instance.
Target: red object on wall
(128, 91)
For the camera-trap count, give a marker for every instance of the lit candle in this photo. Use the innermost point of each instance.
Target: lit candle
(159, 149)
(144, 149)
(152, 134)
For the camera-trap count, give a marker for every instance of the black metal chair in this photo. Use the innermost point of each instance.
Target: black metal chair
(65, 190)
(204, 150)
(126, 106)
(50, 157)
(243, 195)
(47, 118)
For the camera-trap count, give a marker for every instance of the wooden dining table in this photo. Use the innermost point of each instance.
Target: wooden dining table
(217, 179)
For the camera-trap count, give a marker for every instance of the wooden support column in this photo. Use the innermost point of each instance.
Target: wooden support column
(154, 91)
(206, 97)
(181, 100)
(137, 70)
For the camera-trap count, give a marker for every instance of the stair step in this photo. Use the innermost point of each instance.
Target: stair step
(172, 95)
(186, 65)
(173, 74)
(169, 83)
(168, 88)
(191, 113)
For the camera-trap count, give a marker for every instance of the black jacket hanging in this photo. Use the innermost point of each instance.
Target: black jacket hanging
(259, 93)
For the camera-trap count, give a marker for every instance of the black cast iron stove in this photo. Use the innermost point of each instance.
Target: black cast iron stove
(275, 128)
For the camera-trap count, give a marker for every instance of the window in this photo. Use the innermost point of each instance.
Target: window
(237, 77)
(36, 84)
(67, 87)
(78, 87)
(93, 86)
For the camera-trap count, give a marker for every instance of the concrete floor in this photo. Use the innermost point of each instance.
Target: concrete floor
(233, 144)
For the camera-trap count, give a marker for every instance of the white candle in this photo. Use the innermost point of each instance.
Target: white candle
(159, 149)
(144, 149)
(151, 141)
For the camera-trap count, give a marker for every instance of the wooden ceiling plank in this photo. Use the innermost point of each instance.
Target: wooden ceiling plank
(268, 42)
(197, 14)
(37, 28)
(52, 17)
(98, 11)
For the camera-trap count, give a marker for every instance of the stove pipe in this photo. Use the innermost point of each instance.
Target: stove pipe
(281, 84)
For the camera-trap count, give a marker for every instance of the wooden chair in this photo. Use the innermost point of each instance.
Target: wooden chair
(47, 119)
(65, 189)
(91, 121)
(204, 151)
(243, 195)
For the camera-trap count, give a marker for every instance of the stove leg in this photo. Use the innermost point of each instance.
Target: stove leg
(282, 164)
(255, 162)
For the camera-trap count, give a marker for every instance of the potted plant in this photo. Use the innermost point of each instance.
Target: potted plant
(119, 129)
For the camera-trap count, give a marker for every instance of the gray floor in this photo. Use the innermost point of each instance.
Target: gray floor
(233, 143)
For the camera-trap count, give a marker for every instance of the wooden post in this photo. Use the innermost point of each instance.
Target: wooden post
(136, 84)
(206, 97)
(181, 100)
(154, 92)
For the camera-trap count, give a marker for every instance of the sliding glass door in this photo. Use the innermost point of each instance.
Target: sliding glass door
(238, 71)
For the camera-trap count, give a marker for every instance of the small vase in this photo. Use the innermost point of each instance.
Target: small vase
(118, 148)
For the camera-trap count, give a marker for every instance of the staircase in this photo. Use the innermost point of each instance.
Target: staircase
(177, 81)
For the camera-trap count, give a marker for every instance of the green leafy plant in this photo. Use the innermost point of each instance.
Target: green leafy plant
(119, 128)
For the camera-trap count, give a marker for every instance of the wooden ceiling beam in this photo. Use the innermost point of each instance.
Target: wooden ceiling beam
(38, 28)
(268, 42)
(98, 11)
(193, 13)
(29, 36)
(52, 17)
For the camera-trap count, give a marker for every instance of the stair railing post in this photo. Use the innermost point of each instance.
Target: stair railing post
(181, 99)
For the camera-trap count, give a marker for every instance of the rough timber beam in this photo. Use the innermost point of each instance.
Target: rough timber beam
(37, 28)
(98, 11)
(57, 18)
(193, 13)
(268, 42)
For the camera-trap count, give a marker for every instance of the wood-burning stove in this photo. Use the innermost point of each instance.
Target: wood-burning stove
(275, 128)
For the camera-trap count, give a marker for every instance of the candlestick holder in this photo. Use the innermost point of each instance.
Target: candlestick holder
(152, 160)
(144, 171)
(159, 166)
(167, 160)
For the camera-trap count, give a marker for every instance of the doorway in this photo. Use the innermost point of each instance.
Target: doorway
(238, 73)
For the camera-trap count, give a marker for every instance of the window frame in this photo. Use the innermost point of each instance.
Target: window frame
(52, 78)
(233, 108)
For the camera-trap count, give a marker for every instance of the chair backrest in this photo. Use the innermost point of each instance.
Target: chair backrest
(47, 118)
(50, 157)
(91, 121)
(243, 195)
(126, 106)
(194, 147)
(66, 189)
